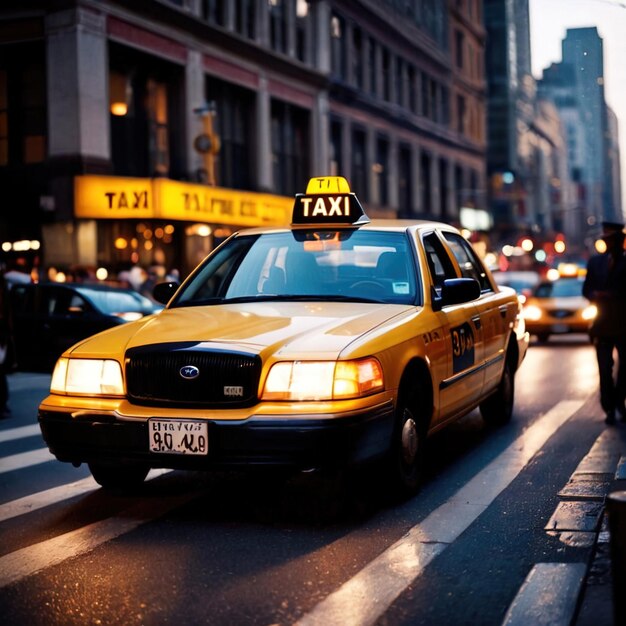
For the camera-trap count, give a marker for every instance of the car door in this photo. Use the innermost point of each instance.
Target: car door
(460, 335)
(491, 309)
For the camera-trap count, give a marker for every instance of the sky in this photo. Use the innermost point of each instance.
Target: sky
(549, 20)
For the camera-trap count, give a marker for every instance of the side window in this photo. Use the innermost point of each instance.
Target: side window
(439, 262)
(470, 264)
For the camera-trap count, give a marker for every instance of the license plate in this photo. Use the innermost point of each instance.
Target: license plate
(172, 436)
(559, 328)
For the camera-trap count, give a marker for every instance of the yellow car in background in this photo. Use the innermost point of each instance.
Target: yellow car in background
(558, 307)
(333, 341)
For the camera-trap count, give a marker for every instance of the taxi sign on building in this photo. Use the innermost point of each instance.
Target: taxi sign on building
(328, 201)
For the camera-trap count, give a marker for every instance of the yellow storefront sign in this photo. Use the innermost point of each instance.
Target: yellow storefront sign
(108, 197)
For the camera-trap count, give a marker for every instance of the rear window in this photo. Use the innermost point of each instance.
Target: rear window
(560, 289)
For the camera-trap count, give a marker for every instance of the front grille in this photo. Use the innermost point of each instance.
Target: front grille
(225, 379)
(560, 314)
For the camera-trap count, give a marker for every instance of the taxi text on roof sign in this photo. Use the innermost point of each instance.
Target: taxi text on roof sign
(328, 201)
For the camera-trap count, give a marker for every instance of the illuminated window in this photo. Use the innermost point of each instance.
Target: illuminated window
(33, 114)
(158, 118)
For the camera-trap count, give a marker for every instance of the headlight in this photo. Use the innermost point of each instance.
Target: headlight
(323, 380)
(590, 312)
(99, 377)
(129, 316)
(532, 313)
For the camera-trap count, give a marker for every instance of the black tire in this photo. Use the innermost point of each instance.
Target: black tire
(497, 409)
(406, 460)
(118, 477)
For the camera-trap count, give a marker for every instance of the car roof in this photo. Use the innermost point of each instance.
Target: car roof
(379, 225)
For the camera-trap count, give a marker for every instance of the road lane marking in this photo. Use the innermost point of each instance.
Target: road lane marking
(19, 433)
(548, 595)
(42, 499)
(364, 598)
(25, 459)
(32, 559)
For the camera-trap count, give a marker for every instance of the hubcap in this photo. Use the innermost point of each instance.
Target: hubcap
(409, 441)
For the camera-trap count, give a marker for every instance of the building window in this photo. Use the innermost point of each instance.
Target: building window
(458, 186)
(357, 58)
(412, 89)
(145, 126)
(290, 147)
(235, 109)
(426, 108)
(336, 148)
(460, 114)
(405, 190)
(425, 182)
(158, 128)
(23, 102)
(373, 74)
(444, 117)
(459, 43)
(214, 11)
(302, 37)
(358, 176)
(400, 82)
(381, 171)
(278, 26)
(338, 46)
(386, 75)
(443, 190)
(245, 17)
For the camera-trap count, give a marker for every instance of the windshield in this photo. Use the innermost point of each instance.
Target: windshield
(560, 289)
(311, 265)
(111, 302)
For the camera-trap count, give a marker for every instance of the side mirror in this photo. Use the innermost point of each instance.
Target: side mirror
(163, 292)
(458, 290)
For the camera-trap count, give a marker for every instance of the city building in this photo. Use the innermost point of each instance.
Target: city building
(146, 132)
(576, 85)
(532, 196)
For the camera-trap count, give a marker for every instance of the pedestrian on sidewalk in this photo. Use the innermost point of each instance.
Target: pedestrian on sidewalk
(4, 365)
(605, 286)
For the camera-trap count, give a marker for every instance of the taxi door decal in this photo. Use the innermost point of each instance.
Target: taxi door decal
(462, 347)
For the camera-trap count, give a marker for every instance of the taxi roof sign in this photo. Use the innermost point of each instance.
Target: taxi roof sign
(328, 201)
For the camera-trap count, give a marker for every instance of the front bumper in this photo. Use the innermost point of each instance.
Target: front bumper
(297, 442)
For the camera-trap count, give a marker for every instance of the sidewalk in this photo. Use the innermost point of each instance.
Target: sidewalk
(596, 601)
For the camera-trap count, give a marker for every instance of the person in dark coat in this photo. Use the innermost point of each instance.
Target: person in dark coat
(605, 286)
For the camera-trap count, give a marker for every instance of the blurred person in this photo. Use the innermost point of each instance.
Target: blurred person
(605, 286)
(5, 360)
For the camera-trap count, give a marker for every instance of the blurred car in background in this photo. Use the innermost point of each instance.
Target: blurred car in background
(522, 281)
(557, 307)
(47, 318)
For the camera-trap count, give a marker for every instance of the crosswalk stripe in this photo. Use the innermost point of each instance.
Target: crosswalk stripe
(19, 433)
(25, 459)
(45, 498)
(34, 558)
(364, 598)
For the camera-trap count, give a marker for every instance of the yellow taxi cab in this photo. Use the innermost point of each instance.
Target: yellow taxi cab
(558, 306)
(335, 341)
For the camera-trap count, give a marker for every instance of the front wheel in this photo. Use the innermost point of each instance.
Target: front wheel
(118, 477)
(497, 409)
(406, 459)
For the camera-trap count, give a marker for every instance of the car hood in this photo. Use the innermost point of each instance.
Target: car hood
(570, 303)
(317, 329)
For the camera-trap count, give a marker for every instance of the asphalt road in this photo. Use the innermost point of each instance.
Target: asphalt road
(192, 548)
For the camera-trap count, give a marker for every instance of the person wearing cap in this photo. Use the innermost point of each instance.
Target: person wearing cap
(605, 286)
